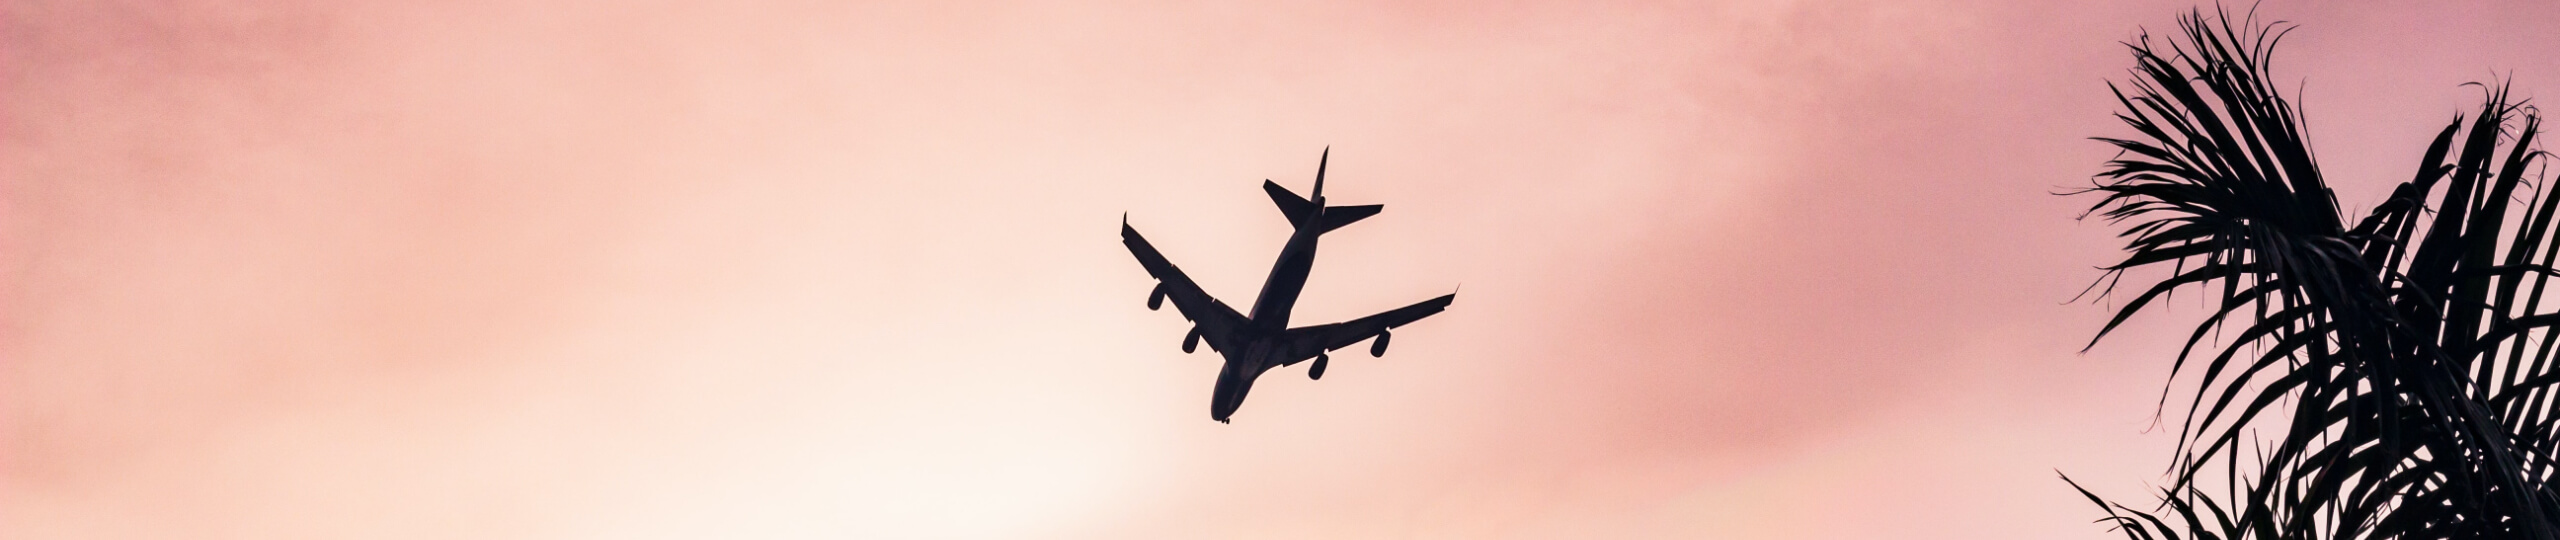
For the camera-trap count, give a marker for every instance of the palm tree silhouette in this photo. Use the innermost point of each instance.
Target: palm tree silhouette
(2385, 377)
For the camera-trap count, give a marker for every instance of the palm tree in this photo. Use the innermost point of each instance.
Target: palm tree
(2384, 377)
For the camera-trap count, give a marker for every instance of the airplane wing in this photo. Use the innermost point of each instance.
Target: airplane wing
(1305, 342)
(1217, 322)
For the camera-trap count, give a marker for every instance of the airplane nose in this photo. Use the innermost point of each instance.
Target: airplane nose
(1221, 408)
(1229, 394)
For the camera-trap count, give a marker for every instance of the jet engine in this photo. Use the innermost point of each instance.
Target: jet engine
(1155, 300)
(1378, 347)
(1191, 342)
(1317, 372)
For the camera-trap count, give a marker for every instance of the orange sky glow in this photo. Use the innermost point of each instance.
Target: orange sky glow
(793, 269)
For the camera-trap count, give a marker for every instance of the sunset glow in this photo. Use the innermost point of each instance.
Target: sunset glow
(777, 269)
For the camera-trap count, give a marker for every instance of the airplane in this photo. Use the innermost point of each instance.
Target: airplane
(1256, 343)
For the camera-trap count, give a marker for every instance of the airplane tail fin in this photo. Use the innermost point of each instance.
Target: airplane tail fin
(1318, 194)
(1297, 208)
(1337, 216)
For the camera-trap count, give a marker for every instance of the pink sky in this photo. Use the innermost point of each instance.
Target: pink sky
(851, 269)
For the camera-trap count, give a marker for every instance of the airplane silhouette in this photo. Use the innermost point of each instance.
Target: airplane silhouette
(1257, 343)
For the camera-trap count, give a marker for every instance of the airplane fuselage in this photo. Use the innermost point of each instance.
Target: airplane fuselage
(1269, 319)
(1288, 276)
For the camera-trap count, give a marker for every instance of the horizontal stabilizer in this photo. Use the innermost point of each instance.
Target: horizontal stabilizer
(1337, 216)
(1291, 204)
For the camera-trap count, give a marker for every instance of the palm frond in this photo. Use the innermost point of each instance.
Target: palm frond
(2401, 363)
